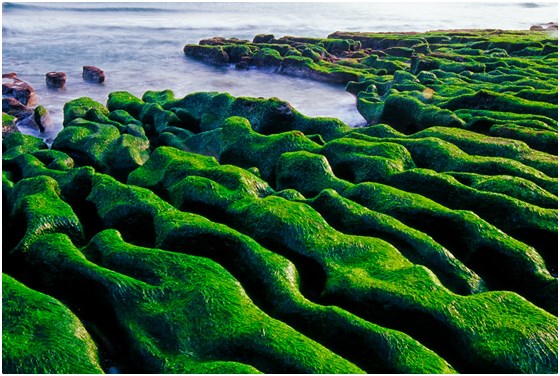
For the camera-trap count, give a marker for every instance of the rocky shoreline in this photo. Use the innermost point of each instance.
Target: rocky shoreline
(221, 234)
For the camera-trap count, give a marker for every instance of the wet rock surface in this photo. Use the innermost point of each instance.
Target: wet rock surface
(215, 234)
(93, 74)
(55, 80)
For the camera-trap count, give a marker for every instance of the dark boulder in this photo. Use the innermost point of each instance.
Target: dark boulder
(210, 54)
(56, 80)
(242, 65)
(15, 108)
(263, 38)
(545, 26)
(13, 87)
(93, 74)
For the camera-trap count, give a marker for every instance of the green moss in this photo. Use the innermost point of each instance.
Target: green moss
(210, 54)
(468, 237)
(189, 179)
(264, 151)
(17, 143)
(468, 198)
(41, 210)
(123, 100)
(542, 140)
(352, 272)
(512, 216)
(7, 120)
(442, 156)
(407, 114)
(41, 335)
(477, 144)
(123, 117)
(103, 147)
(351, 218)
(266, 57)
(307, 173)
(78, 108)
(360, 160)
(518, 188)
(159, 97)
(487, 100)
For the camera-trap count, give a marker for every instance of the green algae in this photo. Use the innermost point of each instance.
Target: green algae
(18, 143)
(352, 218)
(469, 238)
(511, 186)
(354, 270)
(174, 233)
(37, 202)
(103, 147)
(476, 144)
(211, 312)
(7, 119)
(292, 167)
(33, 322)
(442, 156)
(265, 240)
(78, 108)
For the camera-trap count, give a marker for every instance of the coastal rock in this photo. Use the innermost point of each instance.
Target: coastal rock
(15, 108)
(242, 65)
(56, 80)
(545, 26)
(27, 320)
(38, 119)
(8, 124)
(219, 41)
(42, 118)
(209, 54)
(13, 87)
(93, 74)
(227, 235)
(263, 38)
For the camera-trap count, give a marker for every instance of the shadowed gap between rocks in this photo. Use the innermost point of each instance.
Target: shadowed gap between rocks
(312, 276)
(544, 242)
(486, 262)
(135, 225)
(420, 326)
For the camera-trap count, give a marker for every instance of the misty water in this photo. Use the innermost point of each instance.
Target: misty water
(140, 45)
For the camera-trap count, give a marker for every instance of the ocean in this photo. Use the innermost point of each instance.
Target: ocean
(139, 45)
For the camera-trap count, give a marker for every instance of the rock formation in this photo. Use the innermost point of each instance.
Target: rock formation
(215, 234)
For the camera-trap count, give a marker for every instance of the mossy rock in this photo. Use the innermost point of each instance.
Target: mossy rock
(38, 209)
(469, 238)
(78, 108)
(103, 147)
(123, 100)
(41, 335)
(418, 244)
(351, 218)
(407, 114)
(15, 144)
(210, 54)
(306, 233)
(307, 173)
(359, 160)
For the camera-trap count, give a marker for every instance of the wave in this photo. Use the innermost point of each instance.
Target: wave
(529, 5)
(99, 7)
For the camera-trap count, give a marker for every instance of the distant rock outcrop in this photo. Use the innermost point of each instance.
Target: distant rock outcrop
(93, 74)
(56, 80)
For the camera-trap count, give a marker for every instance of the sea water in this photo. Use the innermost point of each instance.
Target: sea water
(139, 45)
